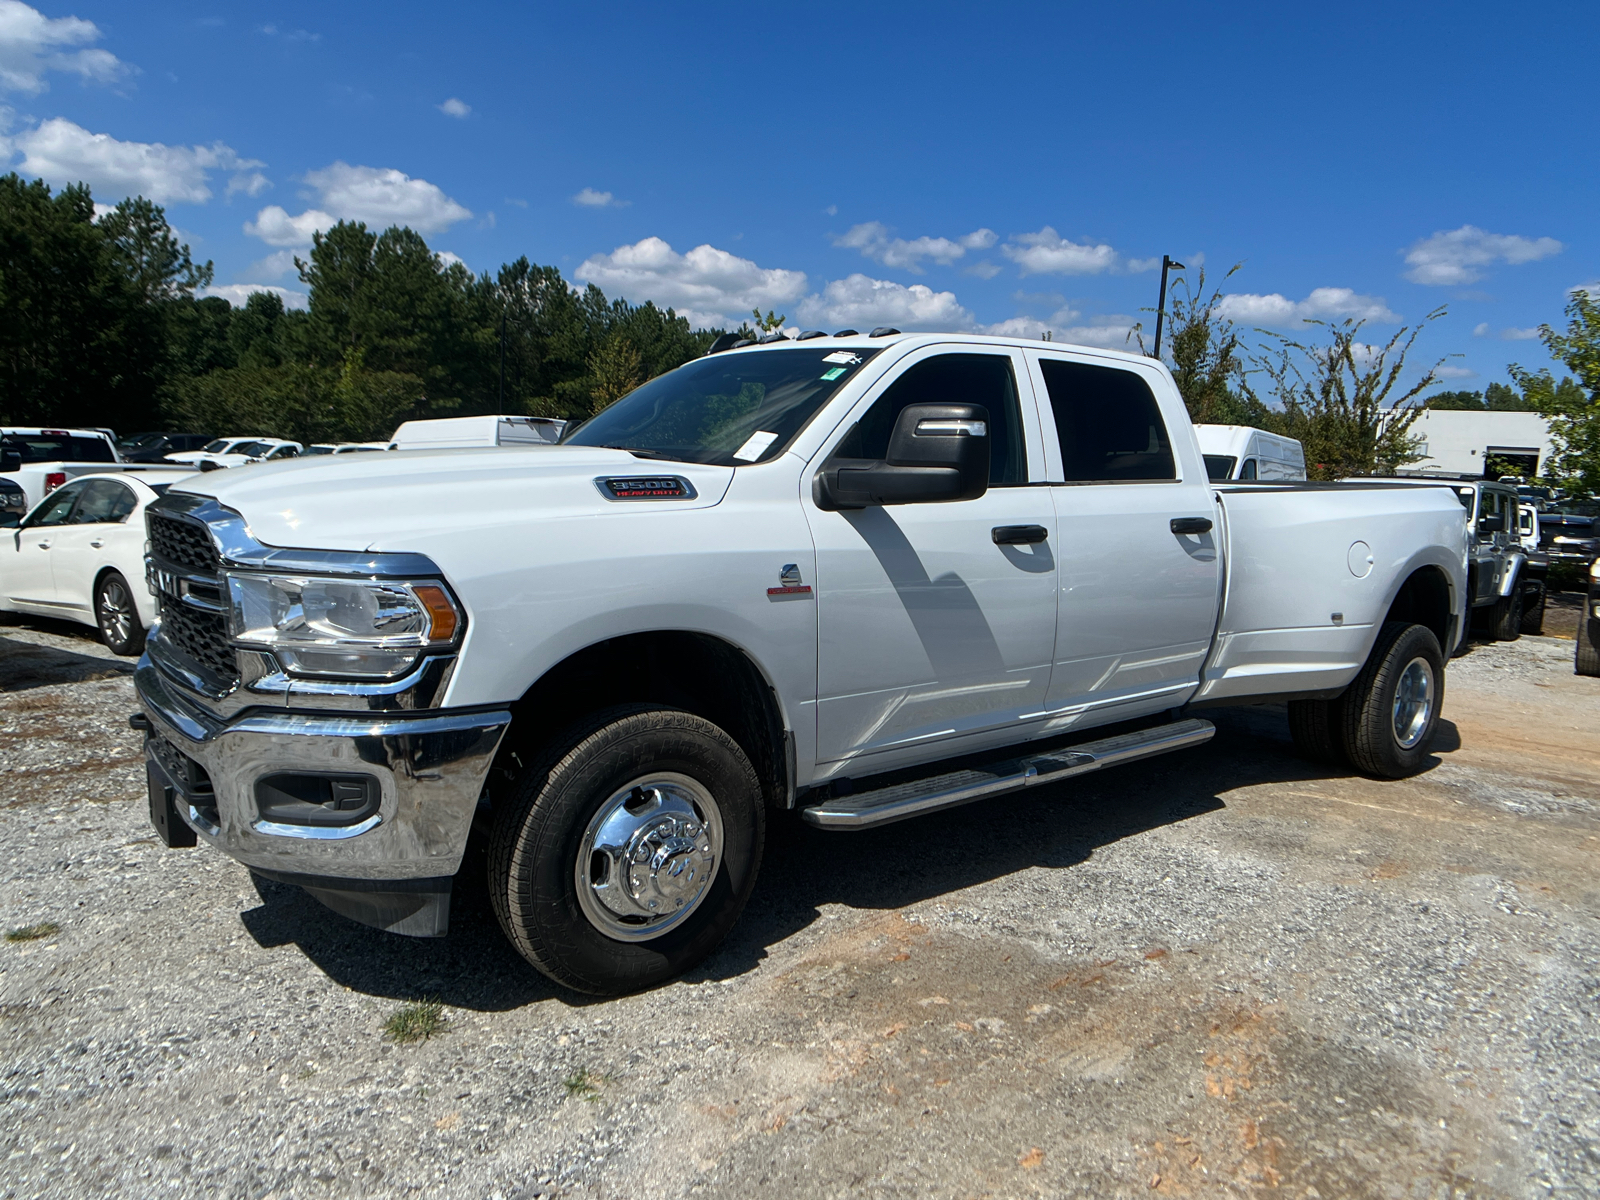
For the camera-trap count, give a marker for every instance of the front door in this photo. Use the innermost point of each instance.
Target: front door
(929, 630)
(27, 574)
(97, 530)
(1140, 588)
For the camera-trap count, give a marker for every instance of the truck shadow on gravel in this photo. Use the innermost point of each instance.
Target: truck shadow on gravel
(804, 869)
(25, 665)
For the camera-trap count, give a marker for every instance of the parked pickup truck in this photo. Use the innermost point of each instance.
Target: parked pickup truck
(41, 460)
(859, 577)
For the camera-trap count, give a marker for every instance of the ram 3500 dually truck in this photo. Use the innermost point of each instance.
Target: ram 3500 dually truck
(858, 577)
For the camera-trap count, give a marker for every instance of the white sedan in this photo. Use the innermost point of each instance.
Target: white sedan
(79, 555)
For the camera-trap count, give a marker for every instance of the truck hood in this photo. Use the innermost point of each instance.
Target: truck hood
(394, 500)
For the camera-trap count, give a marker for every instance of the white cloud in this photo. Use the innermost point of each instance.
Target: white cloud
(1136, 265)
(983, 269)
(274, 266)
(1455, 373)
(864, 302)
(379, 196)
(1323, 304)
(1048, 253)
(62, 153)
(1481, 329)
(873, 240)
(1519, 335)
(456, 108)
(274, 226)
(447, 259)
(238, 294)
(32, 44)
(710, 283)
(589, 198)
(251, 183)
(1066, 325)
(1452, 258)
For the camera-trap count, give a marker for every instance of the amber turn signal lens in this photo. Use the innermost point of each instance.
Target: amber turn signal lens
(441, 613)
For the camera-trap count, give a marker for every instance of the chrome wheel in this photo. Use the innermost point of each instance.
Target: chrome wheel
(1413, 703)
(648, 857)
(117, 617)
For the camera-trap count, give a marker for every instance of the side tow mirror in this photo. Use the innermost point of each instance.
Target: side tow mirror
(937, 453)
(10, 460)
(1495, 524)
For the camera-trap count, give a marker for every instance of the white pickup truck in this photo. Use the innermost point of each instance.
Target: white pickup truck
(858, 577)
(39, 460)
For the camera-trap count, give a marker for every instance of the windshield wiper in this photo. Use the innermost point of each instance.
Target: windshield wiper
(638, 453)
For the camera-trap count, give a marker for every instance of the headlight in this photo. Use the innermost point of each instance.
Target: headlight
(1594, 569)
(374, 628)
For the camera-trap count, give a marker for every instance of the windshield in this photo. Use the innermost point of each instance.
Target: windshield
(215, 447)
(1576, 508)
(1219, 466)
(724, 409)
(140, 442)
(318, 450)
(58, 447)
(251, 449)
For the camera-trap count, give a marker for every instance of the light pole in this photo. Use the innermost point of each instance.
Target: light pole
(1161, 304)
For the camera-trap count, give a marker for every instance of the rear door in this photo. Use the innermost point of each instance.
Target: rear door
(929, 630)
(97, 532)
(1138, 596)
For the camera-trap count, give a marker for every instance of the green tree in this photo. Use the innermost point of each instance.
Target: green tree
(1455, 401)
(616, 369)
(1572, 408)
(1500, 398)
(1343, 399)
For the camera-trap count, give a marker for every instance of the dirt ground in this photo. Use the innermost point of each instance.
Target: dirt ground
(1221, 973)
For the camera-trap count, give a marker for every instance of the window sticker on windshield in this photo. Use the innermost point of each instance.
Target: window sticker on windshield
(833, 374)
(842, 356)
(755, 447)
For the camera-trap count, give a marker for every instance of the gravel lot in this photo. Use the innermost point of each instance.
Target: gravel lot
(1218, 973)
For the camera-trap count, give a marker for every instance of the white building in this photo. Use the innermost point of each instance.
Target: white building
(1459, 442)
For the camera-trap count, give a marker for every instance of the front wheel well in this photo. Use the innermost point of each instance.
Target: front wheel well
(695, 672)
(1424, 599)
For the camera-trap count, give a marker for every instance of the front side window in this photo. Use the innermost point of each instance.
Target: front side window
(727, 409)
(58, 507)
(1109, 423)
(215, 446)
(985, 379)
(1249, 471)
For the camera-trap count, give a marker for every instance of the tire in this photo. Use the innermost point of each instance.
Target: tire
(1403, 655)
(117, 615)
(1533, 613)
(641, 765)
(1505, 618)
(1314, 725)
(1586, 661)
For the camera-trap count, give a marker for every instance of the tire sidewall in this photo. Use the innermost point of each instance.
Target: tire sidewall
(1374, 747)
(551, 921)
(135, 639)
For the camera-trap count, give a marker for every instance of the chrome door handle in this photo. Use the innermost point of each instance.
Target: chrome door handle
(1018, 535)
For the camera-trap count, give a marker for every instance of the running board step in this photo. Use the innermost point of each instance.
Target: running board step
(865, 810)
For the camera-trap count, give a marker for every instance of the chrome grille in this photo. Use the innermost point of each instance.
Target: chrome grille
(181, 550)
(182, 543)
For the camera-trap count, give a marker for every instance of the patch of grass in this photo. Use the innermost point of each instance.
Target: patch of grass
(416, 1022)
(584, 1084)
(32, 933)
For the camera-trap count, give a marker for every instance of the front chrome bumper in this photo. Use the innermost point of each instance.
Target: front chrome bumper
(430, 766)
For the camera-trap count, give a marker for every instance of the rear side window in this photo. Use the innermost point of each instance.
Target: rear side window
(104, 501)
(1109, 424)
(985, 379)
(1220, 466)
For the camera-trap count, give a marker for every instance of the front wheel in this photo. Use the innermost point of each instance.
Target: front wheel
(627, 851)
(117, 616)
(1390, 712)
(1586, 660)
(1505, 618)
(1533, 610)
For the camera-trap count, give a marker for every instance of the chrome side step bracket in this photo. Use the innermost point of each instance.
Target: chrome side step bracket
(866, 810)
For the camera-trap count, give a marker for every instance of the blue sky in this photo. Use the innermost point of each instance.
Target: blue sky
(1008, 167)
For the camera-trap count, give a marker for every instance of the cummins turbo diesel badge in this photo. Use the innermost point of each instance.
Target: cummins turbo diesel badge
(646, 487)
